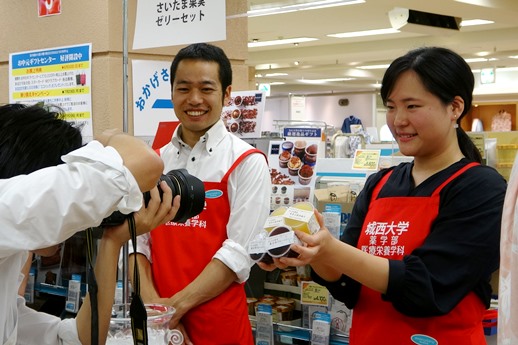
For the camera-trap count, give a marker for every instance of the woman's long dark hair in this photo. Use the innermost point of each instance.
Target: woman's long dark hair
(443, 73)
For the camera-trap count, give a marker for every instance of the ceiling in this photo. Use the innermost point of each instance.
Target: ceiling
(329, 57)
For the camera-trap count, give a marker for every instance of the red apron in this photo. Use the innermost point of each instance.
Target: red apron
(180, 252)
(394, 227)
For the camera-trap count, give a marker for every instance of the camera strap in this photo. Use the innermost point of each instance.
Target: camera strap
(92, 289)
(138, 312)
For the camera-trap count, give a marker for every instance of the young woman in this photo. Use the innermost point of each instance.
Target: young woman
(416, 257)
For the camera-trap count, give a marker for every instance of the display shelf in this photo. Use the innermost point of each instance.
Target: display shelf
(282, 287)
(285, 334)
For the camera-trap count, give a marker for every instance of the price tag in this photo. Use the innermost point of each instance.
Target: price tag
(315, 294)
(264, 326)
(366, 159)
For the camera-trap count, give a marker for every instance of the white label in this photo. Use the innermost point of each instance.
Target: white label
(257, 246)
(285, 239)
(274, 221)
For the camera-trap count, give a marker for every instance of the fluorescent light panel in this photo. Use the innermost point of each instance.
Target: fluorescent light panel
(473, 22)
(374, 66)
(279, 42)
(322, 81)
(302, 7)
(364, 33)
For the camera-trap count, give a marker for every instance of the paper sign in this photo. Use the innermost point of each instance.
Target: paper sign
(172, 23)
(366, 159)
(312, 293)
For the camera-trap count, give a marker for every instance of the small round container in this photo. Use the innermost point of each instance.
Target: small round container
(280, 242)
(289, 278)
(287, 146)
(299, 148)
(158, 316)
(284, 158)
(294, 165)
(303, 221)
(236, 114)
(257, 249)
(234, 127)
(284, 312)
(305, 174)
(275, 218)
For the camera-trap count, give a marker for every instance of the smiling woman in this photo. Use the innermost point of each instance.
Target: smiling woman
(419, 249)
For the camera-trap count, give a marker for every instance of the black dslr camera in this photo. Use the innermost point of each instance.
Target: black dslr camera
(190, 189)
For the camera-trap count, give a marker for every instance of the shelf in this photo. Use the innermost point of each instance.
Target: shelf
(282, 287)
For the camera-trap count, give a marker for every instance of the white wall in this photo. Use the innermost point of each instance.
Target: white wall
(323, 108)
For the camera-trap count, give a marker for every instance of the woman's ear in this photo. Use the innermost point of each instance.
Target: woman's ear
(457, 108)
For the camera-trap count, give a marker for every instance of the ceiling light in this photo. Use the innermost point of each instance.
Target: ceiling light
(322, 81)
(282, 41)
(374, 66)
(275, 74)
(480, 59)
(277, 83)
(365, 33)
(513, 57)
(473, 22)
(301, 7)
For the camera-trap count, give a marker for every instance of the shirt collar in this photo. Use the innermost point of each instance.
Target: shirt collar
(210, 139)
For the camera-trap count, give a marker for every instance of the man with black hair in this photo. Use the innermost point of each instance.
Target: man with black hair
(53, 187)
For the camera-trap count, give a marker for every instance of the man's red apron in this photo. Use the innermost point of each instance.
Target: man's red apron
(181, 251)
(394, 227)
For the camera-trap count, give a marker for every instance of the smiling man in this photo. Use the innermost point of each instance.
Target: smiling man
(199, 267)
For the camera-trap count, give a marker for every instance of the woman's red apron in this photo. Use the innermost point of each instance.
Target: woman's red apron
(394, 227)
(181, 251)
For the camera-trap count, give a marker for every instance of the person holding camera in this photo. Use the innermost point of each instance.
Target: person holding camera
(199, 267)
(53, 187)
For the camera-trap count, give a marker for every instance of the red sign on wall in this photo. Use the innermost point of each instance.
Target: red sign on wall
(49, 7)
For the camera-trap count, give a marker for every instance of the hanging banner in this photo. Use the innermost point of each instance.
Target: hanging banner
(171, 23)
(244, 113)
(58, 76)
(151, 96)
(49, 7)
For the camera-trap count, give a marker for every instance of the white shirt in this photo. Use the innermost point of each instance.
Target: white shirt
(249, 188)
(45, 208)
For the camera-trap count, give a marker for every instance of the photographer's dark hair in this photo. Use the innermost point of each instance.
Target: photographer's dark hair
(205, 52)
(443, 73)
(34, 137)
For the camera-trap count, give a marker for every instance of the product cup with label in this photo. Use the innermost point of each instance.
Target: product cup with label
(275, 219)
(280, 240)
(301, 216)
(257, 248)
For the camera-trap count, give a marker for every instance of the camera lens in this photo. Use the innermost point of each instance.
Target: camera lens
(190, 189)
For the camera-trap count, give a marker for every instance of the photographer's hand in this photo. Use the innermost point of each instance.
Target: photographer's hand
(158, 211)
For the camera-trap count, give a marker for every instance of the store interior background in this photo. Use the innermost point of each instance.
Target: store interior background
(324, 70)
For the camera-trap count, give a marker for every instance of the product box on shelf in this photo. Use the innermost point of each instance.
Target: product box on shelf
(342, 196)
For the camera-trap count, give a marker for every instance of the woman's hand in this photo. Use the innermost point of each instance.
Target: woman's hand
(312, 251)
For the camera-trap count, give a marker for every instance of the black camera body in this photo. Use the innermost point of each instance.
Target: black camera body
(190, 189)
